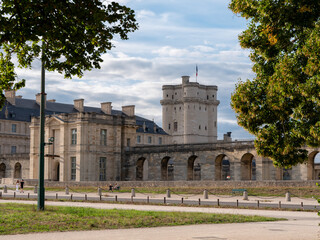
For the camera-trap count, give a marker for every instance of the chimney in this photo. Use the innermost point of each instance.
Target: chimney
(128, 110)
(38, 99)
(185, 79)
(78, 104)
(106, 107)
(10, 96)
(51, 100)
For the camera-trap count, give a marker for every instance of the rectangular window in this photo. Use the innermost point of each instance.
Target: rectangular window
(128, 142)
(160, 140)
(73, 168)
(103, 137)
(175, 126)
(14, 128)
(74, 136)
(13, 149)
(138, 139)
(149, 140)
(102, 169)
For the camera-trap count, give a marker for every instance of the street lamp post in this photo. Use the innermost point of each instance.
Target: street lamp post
(41, 192)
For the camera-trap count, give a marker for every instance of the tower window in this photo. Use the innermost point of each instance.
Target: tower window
(172, 96)
(205, 128)
(199, 127)
(207, 97)
(175, 126)
(169, 126)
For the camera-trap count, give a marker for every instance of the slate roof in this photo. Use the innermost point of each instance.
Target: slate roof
(25, 109)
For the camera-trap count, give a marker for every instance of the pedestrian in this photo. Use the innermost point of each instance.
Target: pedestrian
(17, 186)
(21, 185)
(111, 188)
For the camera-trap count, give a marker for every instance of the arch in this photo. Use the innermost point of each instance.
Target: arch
(191, 167)
(222, 168)
(311, 175)
(287, 174)
(17, 170)
(141, 169)
(2, 170)
(164, 168)
(247, 162)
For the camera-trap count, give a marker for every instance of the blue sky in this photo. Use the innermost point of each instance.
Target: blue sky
(172, 38)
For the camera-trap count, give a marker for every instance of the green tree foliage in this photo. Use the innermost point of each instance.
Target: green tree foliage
(281, 105)
(72, 33)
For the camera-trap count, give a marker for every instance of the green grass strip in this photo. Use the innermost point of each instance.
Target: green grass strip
(24, 218)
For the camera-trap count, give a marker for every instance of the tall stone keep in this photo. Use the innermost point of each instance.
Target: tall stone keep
(189, 112)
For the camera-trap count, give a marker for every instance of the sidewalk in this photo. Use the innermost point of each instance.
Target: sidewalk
(178, 197)
(300, 226)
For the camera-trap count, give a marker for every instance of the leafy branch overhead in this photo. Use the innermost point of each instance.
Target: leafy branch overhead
(74, 35)
(281, 105)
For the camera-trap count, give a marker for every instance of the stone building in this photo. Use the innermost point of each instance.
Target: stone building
(189, 112)
(102, 144)
(88, 142)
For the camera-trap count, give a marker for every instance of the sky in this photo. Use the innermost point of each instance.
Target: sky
(173, 37)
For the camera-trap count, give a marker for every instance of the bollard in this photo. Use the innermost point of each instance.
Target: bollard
(14, 194)
(147, 199)
(218, 202)
(181, 200)
(131, 198)
(237, 203)
(302, 205)
(35, 189)
(71, 196)
(85, 197)
(164, 200)
(245, 195)
(205, 194)
(258, 203)
(99, 191)
(56, 195)
(168, 193)
(0, 194)
(288, 197)
(67, 190)
(5, 189)
(28, 195)
(199, 200)
(116, 198)
(279, 204)
(133, 193)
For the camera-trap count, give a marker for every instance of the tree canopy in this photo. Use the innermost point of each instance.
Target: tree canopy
(281, 105)
(68, 35)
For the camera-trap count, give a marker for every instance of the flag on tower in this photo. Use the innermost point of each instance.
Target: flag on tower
(196, 72)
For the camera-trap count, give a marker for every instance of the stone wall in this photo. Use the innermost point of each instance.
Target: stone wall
(171, 184)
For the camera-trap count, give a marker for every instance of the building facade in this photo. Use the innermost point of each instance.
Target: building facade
(86, 143)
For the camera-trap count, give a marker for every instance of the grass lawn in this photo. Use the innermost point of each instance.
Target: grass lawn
(24, 218)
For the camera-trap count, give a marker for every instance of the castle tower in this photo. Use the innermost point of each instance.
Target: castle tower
(189, 112)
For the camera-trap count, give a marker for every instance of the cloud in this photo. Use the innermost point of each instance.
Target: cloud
(173, 37)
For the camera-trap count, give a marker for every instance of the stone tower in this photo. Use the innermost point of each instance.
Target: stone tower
(189, 112)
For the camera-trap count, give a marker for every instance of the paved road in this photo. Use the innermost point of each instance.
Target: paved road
(300, 226)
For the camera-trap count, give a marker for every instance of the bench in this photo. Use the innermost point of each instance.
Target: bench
(240, 190)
